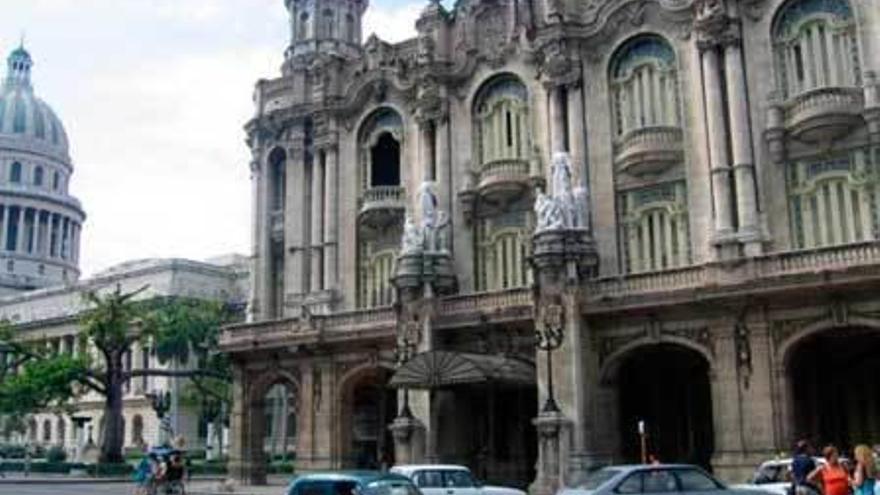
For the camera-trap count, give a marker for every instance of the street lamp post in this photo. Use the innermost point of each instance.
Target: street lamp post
(406, 347)
(548, 337)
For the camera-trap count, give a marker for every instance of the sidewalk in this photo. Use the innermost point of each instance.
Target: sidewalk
(199, 485)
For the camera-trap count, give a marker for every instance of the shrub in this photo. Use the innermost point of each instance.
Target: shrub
(110, 470)
(56, 454)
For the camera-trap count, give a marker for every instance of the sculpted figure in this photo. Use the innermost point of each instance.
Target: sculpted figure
(412, 237)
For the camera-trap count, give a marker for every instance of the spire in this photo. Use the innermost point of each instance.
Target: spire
(18, 67)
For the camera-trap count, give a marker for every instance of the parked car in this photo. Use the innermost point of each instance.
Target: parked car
(774, 476)
(352, 483)
(653, 479)
(449, 479)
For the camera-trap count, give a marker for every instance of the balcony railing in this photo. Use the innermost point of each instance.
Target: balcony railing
(504, 178)
(823, 114)
(649, 150)
(379, 202)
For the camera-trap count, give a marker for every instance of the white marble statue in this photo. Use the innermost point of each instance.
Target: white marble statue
(565, 207)
(434, 221)
(412, 240)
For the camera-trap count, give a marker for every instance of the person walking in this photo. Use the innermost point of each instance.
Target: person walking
(802, 464)
(865, 477)
(833, 476)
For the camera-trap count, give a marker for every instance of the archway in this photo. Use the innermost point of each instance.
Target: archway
(279, 432)
(832, 378)
(368, 407)
(667, 386)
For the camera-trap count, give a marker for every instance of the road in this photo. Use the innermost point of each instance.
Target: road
(67, 489)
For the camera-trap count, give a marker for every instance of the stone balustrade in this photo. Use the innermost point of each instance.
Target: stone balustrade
(468, 309)
(649, 150)
(822, 114)
(503, 178)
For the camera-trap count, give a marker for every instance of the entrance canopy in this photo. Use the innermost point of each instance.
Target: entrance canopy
(435, 369)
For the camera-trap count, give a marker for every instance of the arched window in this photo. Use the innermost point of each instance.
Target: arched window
(643, 85)
(349, 29)
(654, 227)
(329, 21)
(15, 173)
(302, 31)
(47, 431)
(501, 114)
(38, 176)
(815, 46)
(830, 200)
(503, 254)
(62, 432)
(377, 268)
(380, 144)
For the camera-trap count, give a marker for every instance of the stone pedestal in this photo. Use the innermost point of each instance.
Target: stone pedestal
(409, 440)
(554, 444)
(432, 270)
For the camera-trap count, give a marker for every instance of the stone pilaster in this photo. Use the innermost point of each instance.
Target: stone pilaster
(331, 216)
(295, 218)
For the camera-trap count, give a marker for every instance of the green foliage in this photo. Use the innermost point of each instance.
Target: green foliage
(112, 320)
(12, 451)
(42, 383)
(56, 454)
(181, 327)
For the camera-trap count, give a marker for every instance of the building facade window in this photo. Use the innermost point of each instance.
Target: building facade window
(302, 31)
(654, 227)
(834, 200)
(815, 46)
(15, 173)
(380, 144)
(329, 24)
(501, 115)
(643, 85)
(38, 176)
(503, 251)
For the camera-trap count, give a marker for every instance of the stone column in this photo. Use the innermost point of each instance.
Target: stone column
(295, 221)
(5, 229)
(557, 118)
(553, 429)
(331, 216)
(719, 162)
(576, 140)
(20, 240)
(741, 145)
(257, 302)
(243, 466)
(317, 224)
(57, 242)
(444, 167)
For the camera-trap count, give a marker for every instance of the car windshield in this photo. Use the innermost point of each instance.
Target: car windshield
(597, 478)
(391, 487)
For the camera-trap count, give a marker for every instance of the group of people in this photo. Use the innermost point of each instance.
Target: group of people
(161, 472)
(859, 476)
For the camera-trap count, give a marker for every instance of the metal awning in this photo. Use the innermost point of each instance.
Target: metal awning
(435, 369)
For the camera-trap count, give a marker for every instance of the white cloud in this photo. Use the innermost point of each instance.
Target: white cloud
(392, 24)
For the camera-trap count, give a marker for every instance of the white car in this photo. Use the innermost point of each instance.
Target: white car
(775, 476)
(449, 479)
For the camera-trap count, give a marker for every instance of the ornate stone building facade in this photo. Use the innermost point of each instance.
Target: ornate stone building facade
(713, 279)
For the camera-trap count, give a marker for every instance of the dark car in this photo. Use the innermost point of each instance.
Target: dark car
(352, 483)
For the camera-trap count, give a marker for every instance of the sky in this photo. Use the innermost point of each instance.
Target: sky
(153, 95)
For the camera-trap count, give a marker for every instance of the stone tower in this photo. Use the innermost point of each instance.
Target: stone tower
(328, 26)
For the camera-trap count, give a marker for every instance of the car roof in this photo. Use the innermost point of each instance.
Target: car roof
(420, 467)
(356, 476)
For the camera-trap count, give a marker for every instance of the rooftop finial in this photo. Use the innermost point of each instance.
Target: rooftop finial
(18, 67)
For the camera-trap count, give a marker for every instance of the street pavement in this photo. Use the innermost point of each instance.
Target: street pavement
(85, 487)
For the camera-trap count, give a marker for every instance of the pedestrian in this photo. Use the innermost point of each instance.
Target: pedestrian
(833, 476)
(802, 464)
(865, 477)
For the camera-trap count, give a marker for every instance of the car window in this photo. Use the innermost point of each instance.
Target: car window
(772, 473)
(658, 481)
(428, 479)
(696, 481)
(389, 487)
(632, 484)
(326, 488)
(458, 479)
(598, 478)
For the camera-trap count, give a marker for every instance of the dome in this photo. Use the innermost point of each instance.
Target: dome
(24, 117)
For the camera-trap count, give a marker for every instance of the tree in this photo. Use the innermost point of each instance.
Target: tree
(110, 326)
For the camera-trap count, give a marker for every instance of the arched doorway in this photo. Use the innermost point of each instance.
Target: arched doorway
(273, 398)
(832, 377)
(666, 386)
(369, 406)
(279, 433)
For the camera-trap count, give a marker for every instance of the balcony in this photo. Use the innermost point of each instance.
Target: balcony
(378, 204)
(823, 114)
(504, 179)
(649, 150)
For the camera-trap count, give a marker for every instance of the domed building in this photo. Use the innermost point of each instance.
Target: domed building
(40, 222)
